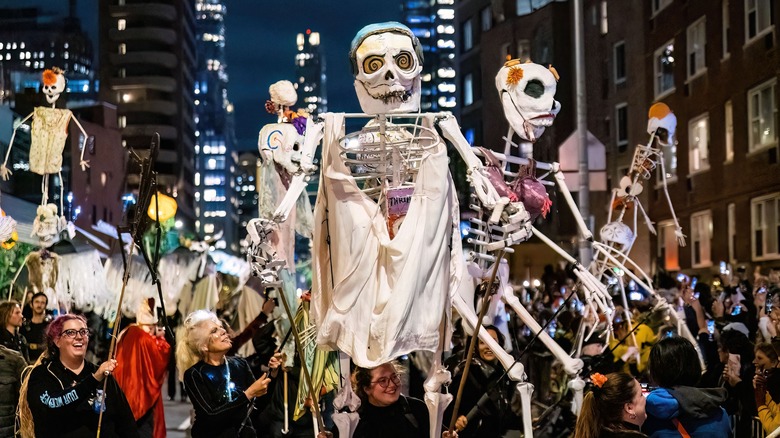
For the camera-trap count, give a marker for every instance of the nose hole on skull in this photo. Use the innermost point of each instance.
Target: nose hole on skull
(296, 147)
(389, 75)
(553, 106)
(534, 88)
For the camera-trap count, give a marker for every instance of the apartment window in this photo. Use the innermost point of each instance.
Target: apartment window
(765, 226)
(468, 89)
(485, 19)
(762, 114)
(523, 50)
(668, 251)
(664, 69)
(658, 5)
(603, 22)
(758, 18)
(696, 39)
(724, 35)
(729, 125)
(732, 231)
(122, 121)
(524, 7)
(122, 48)
(619, 61)
(670, 165)
(121, 24)
(701, 236)
(468, 35)
(698, 144)
(208, 228)
(621, 126)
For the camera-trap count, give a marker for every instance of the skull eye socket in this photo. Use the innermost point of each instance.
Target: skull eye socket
(534, 88)
(373, 63)
(404, 61)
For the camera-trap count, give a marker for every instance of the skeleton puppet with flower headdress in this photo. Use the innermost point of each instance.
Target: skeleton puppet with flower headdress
(48, 135)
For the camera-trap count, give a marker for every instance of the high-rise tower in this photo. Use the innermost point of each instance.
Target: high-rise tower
(311, 80)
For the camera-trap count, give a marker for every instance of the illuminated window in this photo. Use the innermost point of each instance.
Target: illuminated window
(468, 35)
(696, 41)
(729, 122)
(762, 113)
(698, 144)
(701, 237)
(765, 226)
(668, 250)
(468, 89)
(725, 31)
(664, 70)
(758, 18)
(121, 24)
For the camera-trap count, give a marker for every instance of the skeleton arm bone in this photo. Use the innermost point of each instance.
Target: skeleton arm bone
(570, 365)
(559, 178)
(678, 229)
(485, 191)
(82, 163)
(314, 134)
(4, 171)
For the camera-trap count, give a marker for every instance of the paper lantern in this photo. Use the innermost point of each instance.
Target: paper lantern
(165, 203)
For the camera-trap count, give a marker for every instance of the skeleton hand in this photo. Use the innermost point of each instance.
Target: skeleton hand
(680, 236)
(485, 191)
(84, 164)
(5, 172)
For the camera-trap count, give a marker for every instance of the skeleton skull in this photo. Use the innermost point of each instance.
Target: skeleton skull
(663, 122)
(279, 141)
(387, 61)
(53, 84)
(618, 233)
(528, 96)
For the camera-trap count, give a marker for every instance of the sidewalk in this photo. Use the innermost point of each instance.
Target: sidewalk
(175, 413)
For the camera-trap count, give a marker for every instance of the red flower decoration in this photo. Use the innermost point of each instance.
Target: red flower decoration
(598, 379)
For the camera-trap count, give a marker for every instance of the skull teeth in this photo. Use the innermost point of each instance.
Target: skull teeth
(395, 96)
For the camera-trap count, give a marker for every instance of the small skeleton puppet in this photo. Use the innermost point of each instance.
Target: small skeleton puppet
(49, 132)
(279, 144)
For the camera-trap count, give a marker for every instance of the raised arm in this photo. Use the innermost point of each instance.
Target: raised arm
(485, 191)
(312, 138)
(82, 163)
(5, 172)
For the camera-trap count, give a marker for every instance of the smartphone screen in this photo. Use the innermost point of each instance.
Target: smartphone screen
(737, 310)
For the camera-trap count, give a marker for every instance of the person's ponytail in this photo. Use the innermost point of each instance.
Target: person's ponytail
(588, 423)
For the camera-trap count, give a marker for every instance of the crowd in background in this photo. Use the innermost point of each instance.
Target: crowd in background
(724, 383)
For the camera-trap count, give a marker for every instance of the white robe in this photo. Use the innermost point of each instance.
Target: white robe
(386, 297)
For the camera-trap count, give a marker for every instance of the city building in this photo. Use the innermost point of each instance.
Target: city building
(147, 60)
(433, 22)
(246, 191)
(216, 197)
(310, 71)
(32, 40)
(715, 65)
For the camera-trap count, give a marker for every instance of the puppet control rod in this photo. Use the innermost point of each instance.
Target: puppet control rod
(147, 186)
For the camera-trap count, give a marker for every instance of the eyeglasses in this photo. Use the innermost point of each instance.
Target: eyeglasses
(384, 382)
(71, 333)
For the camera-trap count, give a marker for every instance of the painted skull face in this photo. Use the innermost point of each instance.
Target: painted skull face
(388, 74)
(528, 96)
(663, 122)
(279, 141)
(53, 85)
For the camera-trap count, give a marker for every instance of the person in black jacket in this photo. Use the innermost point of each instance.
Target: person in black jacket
(62, 396)
(384, 411)
(222, 388)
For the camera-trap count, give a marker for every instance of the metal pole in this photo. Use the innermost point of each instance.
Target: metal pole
(583, 194)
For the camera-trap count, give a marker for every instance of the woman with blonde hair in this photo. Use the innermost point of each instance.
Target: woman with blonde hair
(62, 393)
(614, 408)
(222, 389)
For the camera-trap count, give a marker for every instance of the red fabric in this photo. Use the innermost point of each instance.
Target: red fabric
(142, 360)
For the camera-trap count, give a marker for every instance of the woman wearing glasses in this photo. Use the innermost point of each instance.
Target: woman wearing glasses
(384, 411)
(62, 395)
(222, 388)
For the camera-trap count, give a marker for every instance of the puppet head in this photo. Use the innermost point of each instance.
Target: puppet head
(53, 84)
(283, 93)
(663, 122)
(617, 233)
(386, 62)
(527, 94)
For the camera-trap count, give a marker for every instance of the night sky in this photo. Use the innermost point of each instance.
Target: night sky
(261, 50)
(260, 47)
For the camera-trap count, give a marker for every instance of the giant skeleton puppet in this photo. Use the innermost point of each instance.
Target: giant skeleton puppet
(387, 252)
(617, 238)
(49, 131)
(527, 93)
